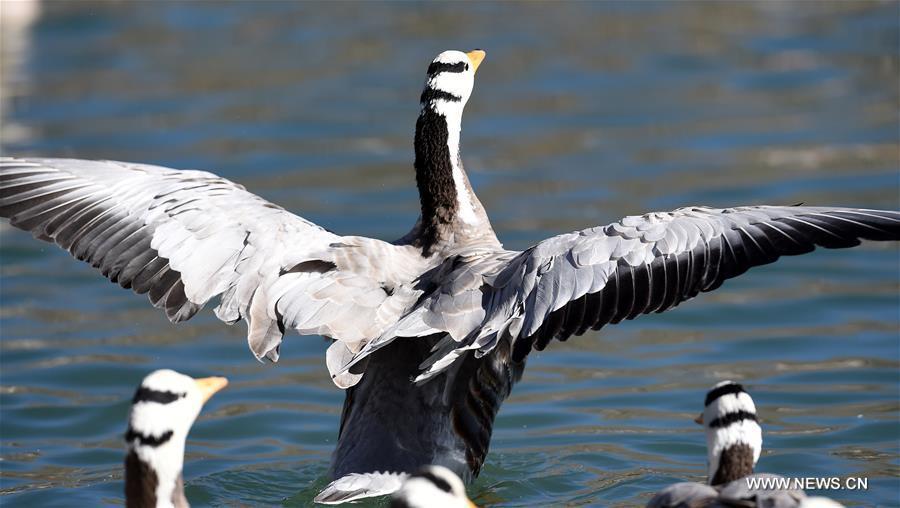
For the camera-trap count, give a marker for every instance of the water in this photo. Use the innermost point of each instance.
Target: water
(582, 113)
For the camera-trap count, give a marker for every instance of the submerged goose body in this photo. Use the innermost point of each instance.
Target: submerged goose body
(430, 332)
(733, 446)
(163, 410)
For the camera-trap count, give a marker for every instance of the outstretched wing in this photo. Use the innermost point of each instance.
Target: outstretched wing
(184, 237)
(584, 280)
(653, 262)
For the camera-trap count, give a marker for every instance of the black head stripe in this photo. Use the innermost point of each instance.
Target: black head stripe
(432, 94)
(438, 482)
(715, 393)
(728, 419)
(149, 395)
(439, 67)
(147, 440)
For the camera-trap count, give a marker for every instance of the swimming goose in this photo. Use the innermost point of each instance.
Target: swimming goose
(432, 487)
(445, 306)
(163, 409)
(733, 445)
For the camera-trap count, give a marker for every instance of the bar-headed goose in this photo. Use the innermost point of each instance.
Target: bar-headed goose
(445, 303)
(163, 409)
(733, 445)
(432, 487)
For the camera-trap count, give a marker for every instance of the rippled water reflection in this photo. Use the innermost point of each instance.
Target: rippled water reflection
(582, 113)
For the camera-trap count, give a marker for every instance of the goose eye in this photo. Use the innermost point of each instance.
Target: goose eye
(467, 66)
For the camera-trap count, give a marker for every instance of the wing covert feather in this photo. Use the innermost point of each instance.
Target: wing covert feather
(658, 260)
(584, 280)
(184, 237)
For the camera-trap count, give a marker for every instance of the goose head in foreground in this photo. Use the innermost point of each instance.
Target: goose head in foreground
(733, 446)
(432, 487)
(733, 434)
(429, 332)
(163, 409)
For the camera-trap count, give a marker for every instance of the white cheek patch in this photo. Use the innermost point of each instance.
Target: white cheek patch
(421, 492)
(155, 419)
(458, 84)
(152, 419)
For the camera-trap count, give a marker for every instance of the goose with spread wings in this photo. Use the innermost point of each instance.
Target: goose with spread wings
(431, 331)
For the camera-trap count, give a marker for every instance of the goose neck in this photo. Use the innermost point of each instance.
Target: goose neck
(153, 476)
(448, 204)
(735, 462)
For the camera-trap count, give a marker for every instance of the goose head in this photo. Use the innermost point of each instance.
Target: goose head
(733, 434)
(451, 77)
(432, 487)
(163, 409)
